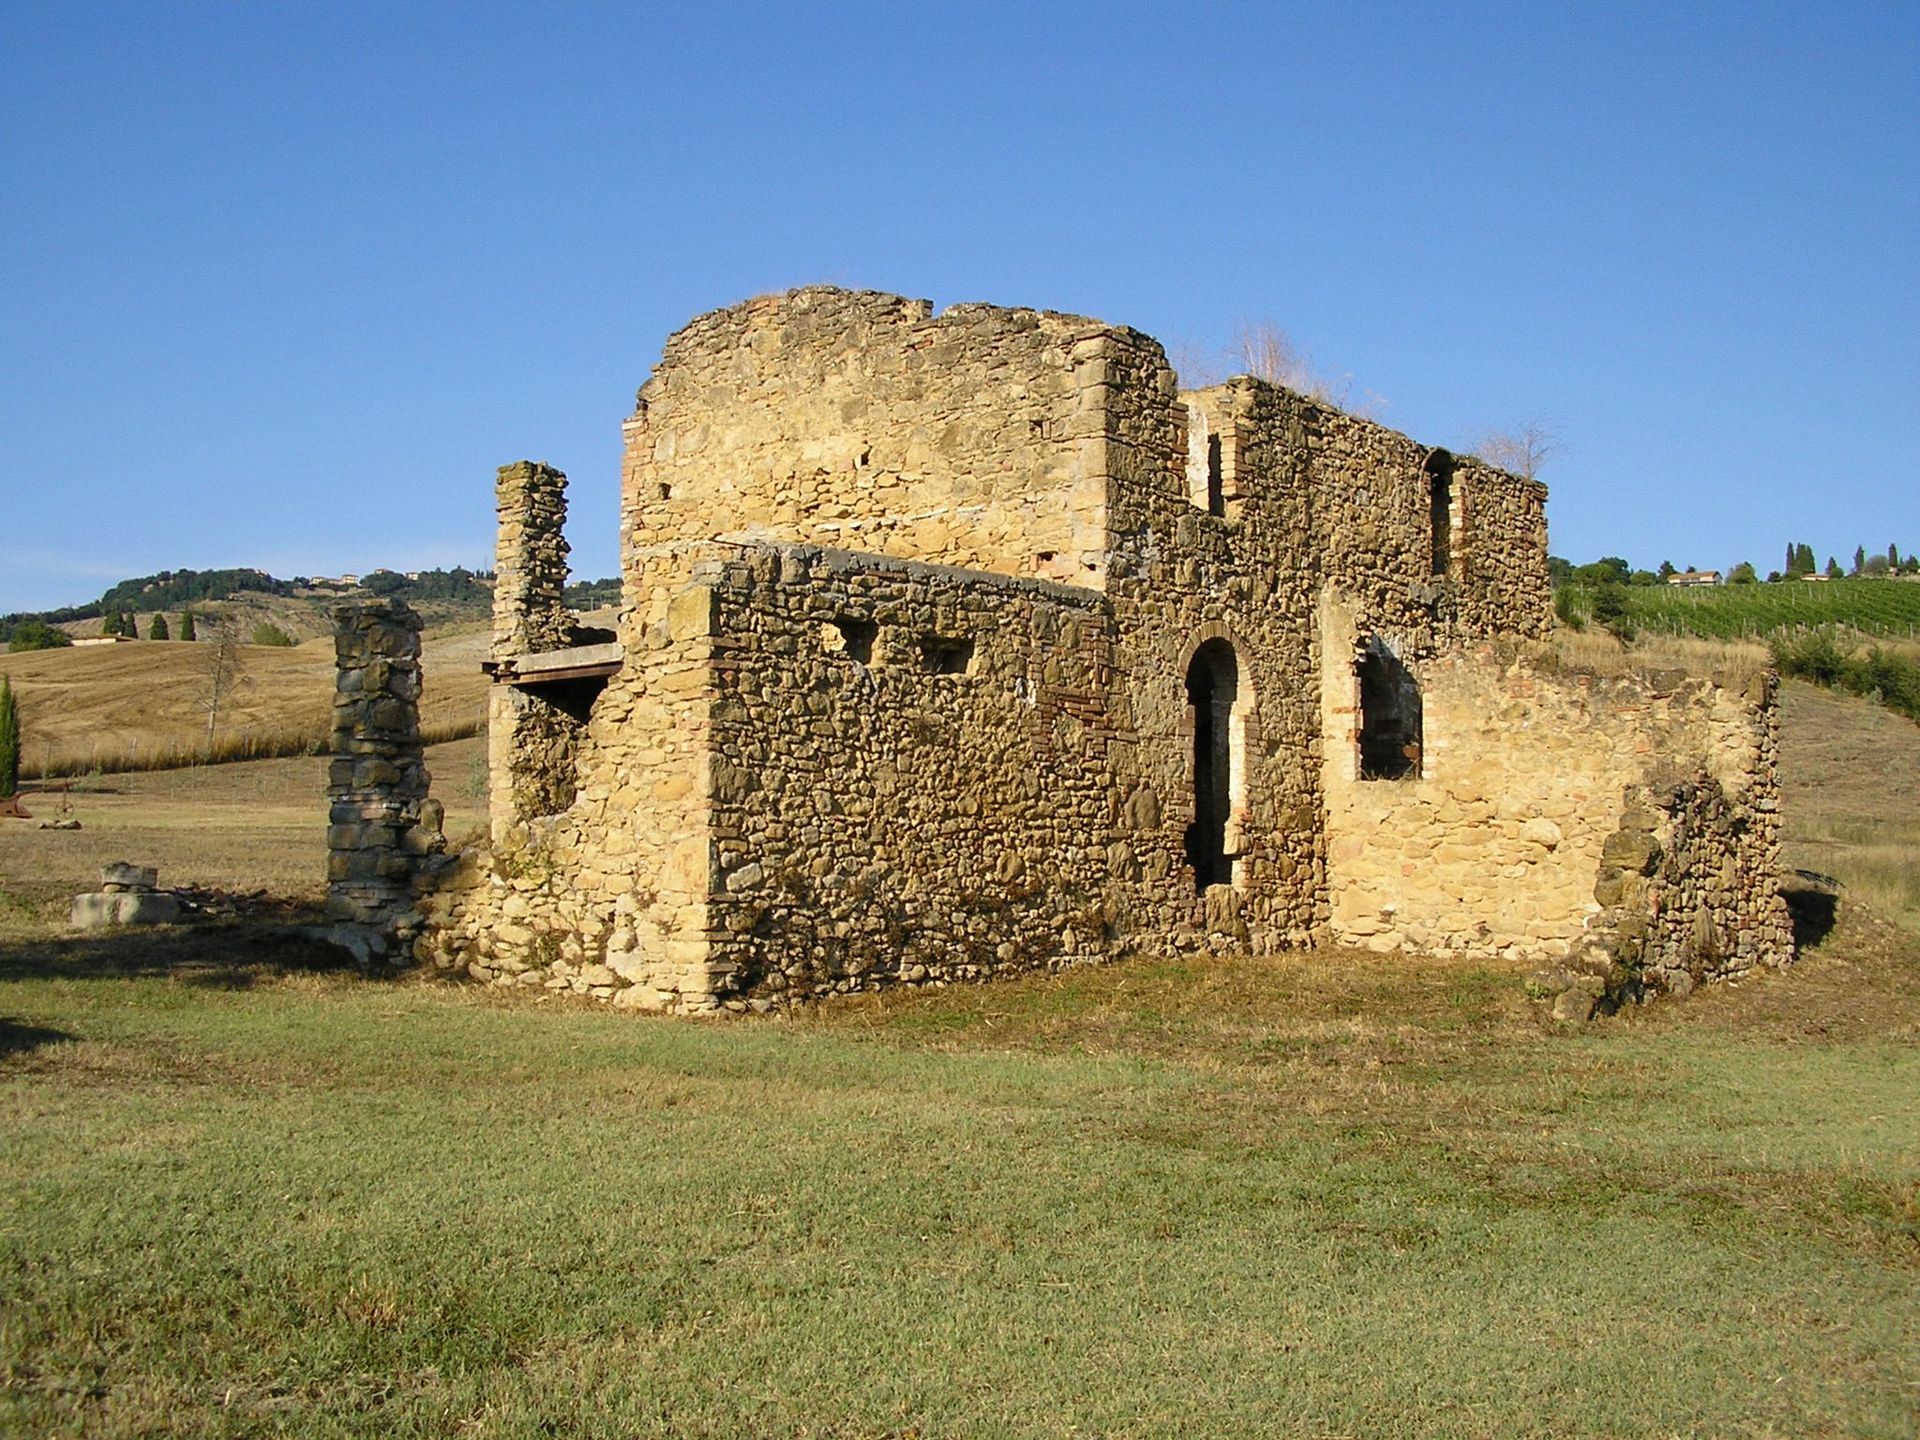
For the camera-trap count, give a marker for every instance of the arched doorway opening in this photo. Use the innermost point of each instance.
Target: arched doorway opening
(1213, 691)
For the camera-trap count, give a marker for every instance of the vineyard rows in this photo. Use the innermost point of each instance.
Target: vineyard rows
(1889, 608)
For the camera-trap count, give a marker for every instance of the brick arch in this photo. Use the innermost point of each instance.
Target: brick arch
(1221, 730)
(1249, 693)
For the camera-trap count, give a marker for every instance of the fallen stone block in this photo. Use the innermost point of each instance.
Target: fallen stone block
(124, 907)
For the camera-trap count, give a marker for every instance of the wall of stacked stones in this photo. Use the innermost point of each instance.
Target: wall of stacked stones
(912, 776)
(609, 895)
(1689, 882)
(1555, 815)
(1179, 577)
(531, 739)
(380, 821)
(866, 422)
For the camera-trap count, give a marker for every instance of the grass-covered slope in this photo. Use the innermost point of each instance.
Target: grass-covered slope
(1885, 608)
(143, 705)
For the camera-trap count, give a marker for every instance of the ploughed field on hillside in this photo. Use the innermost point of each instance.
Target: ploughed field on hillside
(144, 704)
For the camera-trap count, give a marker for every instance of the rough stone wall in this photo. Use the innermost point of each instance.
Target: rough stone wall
(380, 821)
(609, 895)
(1559, 815)
(1689, 883)
(532, 741)
(530, 560)
(911, 773)
(865, 421)
(1179, 578)
(858, 737)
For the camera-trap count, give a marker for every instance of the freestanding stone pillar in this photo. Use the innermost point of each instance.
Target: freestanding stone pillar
(530, 561)
(377, 782)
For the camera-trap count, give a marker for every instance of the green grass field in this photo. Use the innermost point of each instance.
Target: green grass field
(1325, 1194)
(1315, 1196)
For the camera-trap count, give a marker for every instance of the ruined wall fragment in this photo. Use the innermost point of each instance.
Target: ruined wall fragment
(380, 821)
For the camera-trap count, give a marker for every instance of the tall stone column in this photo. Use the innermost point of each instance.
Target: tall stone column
(530, 615)
(377, 782)
(530, 560)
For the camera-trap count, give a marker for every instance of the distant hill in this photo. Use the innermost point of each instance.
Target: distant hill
(300, 606)
(141, 706)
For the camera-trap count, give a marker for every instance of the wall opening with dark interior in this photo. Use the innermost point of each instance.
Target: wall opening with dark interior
(1390, 718)
(946, 654)
(1213, 690)
(1440, 509)
(852, 638)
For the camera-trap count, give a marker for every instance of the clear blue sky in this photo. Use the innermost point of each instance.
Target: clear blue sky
(283, 283)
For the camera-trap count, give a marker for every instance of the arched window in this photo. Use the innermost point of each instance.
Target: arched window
(1213, 690)
(1390, 720)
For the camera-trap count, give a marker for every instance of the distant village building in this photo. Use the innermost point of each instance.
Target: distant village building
(1694, 577)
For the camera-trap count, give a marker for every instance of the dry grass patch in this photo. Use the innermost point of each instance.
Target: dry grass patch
(1850, 796)
(140, 706)
(256, 825)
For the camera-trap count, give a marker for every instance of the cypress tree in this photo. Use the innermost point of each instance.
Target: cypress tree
(186, 625)
(1859, 558)
(9, 741)
(157, 628)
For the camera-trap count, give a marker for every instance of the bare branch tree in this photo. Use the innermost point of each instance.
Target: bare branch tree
(221, 673)
(1196, 366)
(1523, 450)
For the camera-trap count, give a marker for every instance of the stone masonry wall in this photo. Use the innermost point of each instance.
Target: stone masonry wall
(1556, 816)
(530, 560)
(865, 421)
(912, 773)
(949, 641)
(609, 894)
(532, 742)
(763, 814)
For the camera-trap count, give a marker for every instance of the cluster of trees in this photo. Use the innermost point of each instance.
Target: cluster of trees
(1800, 563)
(459, 583)
(1612, 570)
(32, 634)
(171, 589)
(592, 594)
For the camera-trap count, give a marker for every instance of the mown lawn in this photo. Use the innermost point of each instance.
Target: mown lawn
(1319, 1195)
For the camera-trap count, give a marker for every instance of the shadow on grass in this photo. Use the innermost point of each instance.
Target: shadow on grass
(229, 955)
(19, 1038)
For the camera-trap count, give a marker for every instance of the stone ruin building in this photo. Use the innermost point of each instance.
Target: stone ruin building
(963, 644)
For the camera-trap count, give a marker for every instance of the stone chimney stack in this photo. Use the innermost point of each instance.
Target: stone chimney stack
(530, 560)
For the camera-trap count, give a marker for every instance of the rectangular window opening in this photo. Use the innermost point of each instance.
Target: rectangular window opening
(946, 655)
